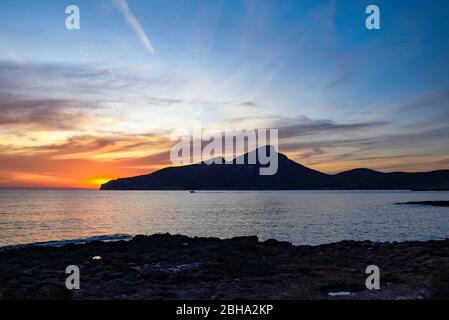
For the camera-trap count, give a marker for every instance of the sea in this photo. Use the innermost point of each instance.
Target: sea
(301, 217)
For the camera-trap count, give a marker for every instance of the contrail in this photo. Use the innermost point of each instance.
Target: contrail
(326, 12)
(134, 24)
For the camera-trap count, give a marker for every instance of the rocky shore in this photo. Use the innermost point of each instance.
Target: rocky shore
(430, 203)
(179, 267)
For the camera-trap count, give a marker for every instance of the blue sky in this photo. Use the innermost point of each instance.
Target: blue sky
(341, 95)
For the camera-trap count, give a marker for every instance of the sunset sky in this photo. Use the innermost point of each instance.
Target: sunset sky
(80, 107)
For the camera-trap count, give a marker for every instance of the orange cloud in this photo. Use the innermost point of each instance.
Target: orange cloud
(78, 162)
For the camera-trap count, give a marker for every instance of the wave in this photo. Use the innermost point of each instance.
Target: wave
(61, 243)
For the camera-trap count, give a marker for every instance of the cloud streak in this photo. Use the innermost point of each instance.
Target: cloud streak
(134, 24)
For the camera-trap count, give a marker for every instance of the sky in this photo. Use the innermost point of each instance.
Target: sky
(81, 107)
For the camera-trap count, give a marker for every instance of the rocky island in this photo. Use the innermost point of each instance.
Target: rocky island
(239, 174)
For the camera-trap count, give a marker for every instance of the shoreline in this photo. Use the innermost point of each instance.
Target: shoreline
(164, 266)
(441, 203)
(65, 242)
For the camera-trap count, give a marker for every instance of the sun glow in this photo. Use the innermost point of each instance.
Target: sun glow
(97, 182)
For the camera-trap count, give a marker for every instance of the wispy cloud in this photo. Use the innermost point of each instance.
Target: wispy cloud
(134, 24)
(44, 114)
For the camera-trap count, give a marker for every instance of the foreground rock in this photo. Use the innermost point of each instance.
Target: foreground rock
(178, 267)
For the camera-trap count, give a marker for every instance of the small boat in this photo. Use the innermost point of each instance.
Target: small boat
(191, 191)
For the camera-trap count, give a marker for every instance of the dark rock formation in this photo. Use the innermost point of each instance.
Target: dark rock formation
(179, 267)
(290, 176)
(430, 203)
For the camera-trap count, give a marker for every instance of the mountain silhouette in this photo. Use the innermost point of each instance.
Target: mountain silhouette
(290, 176)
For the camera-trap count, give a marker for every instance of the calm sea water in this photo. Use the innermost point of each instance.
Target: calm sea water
(302, 217)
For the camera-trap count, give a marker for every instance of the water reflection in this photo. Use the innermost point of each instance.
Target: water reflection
(302, 217)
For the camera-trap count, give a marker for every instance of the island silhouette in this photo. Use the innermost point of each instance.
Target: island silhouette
(289, 176)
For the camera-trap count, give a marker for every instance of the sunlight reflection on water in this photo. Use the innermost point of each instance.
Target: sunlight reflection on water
(302, 217)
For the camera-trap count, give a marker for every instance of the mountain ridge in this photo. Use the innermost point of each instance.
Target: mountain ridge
(290, 176)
